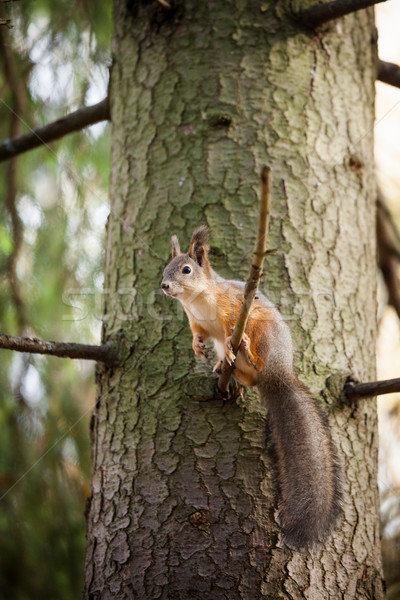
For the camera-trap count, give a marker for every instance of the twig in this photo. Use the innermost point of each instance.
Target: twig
(322, 13)
(389, 73)
(105, 353)
(253, 279)
(372, 388)
(75, 121)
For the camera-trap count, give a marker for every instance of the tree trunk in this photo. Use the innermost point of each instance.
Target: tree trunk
(183, 502)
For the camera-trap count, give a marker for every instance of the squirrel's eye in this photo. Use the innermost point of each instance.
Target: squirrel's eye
(186, 270)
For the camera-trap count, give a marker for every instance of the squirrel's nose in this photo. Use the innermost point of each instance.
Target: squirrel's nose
(164, 286)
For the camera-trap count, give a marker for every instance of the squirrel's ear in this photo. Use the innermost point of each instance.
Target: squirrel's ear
(176, 249)
(198, 249)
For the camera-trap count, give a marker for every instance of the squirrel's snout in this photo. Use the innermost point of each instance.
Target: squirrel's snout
(165, 288)
(170, 288)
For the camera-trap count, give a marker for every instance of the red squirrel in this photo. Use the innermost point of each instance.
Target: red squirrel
(307, 466)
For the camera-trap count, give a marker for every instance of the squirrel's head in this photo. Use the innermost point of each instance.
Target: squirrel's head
(188, 274)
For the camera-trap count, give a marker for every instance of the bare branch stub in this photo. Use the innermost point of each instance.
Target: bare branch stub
(75, 121)
(105, 353)
(353, 390)
(323, 13)
(252, 280)
(389, 73)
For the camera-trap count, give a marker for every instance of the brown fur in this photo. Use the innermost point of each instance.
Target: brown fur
(198, 249)
(308, 472)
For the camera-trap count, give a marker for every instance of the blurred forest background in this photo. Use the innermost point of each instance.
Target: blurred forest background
(54, 60)
(387, 153)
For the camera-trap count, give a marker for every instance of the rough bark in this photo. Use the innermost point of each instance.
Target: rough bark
(183, 503)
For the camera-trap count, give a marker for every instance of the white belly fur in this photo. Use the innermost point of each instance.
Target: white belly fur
(219, 349)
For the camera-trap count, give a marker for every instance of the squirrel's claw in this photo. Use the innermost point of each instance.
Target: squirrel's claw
(199, 347)
(229, 354)
(245, 348)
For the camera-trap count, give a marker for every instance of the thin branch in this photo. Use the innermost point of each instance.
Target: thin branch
(105, 353)
(389, 73)
(253, 279)
(372, 388)
(388, 239)
(322, 13)
(18, 92)
(75, 121)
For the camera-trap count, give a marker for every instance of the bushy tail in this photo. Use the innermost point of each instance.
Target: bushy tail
(307, 465)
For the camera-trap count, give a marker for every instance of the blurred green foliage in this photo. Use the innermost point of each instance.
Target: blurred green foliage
(55, 59)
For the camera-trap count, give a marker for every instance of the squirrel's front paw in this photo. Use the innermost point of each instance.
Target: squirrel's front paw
(229, 354)
(199, 347)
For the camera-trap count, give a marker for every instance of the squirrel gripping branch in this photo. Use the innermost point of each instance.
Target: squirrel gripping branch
(308, 472)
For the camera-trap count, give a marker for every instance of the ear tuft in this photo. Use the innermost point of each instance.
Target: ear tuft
(198, 249)
(176, 249)
(201, 236)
